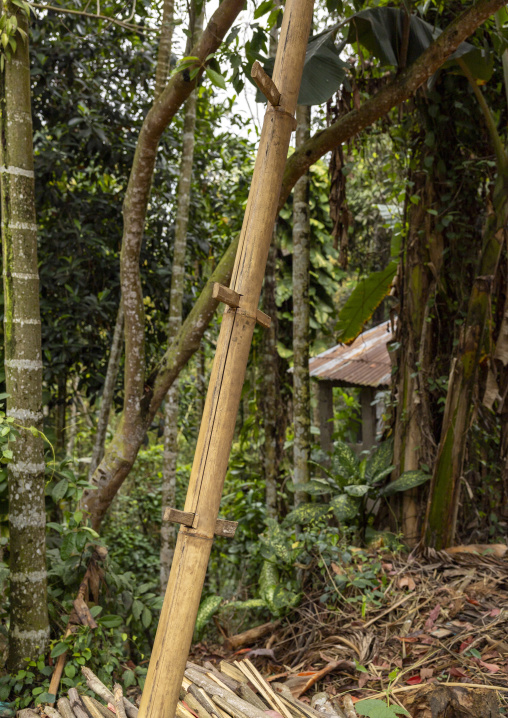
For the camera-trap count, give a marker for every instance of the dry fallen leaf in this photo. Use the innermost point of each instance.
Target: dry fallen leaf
(407, 581)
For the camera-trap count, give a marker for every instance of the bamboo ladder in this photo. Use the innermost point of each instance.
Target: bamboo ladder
(199, 519)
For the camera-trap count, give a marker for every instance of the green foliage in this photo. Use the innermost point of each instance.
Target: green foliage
(351, 481)
(207, 608)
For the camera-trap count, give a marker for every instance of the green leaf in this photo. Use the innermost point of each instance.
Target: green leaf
(59, 490)
(248, 605)
(146, 617)
(356, 490)
(137, 609)
(344, 507)
(345, 461)
(59, 649)
(215, 78)
(406, 481)
(380, 461)
(265, 7)
(46, 698)
(68, 547)
(323, 72)
(268, 580)
(375, 708)
(111, 621)
(306, 513)
(129, 678)
(363, 302)
(380, 31)
(314, 487)
(208, 607)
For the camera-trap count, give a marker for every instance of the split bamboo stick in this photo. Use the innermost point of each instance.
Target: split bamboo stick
(192, 551)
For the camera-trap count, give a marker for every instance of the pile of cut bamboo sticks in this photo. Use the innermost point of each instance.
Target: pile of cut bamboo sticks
(234, 690)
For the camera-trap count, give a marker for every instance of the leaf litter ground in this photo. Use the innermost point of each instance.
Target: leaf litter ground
(436, 645)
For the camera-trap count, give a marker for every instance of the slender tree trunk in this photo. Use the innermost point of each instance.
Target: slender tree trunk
(271, 384)
(164, 54)
(73, 423)
(168, 530)
(301, 267)
(60, 412)
(108, 393)
(143, 405)
(271, 392)
(29, 625)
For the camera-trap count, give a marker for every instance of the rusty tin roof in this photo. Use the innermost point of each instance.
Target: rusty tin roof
(365, 362)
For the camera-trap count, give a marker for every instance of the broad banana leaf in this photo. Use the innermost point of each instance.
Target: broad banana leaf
(362, 303)
(380, 29)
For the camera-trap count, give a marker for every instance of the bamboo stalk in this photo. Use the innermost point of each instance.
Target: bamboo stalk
(248, 695)
(265, 689)
(233, 712)
(213, 689)
(192, 551)
(201, 697)
(196, 706)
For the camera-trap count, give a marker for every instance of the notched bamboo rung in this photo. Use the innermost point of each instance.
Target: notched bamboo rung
(226, 295)
(232, 299)
(265, 84)
(186, 518)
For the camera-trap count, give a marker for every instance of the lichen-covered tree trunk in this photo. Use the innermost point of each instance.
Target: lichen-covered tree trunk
(108, 392)
(168, 529)
(29, 625)
(301, 268)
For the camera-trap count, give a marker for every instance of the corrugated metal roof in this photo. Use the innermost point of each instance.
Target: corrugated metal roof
(365, 362)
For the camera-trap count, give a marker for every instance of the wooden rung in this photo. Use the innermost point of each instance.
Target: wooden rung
(265, 84)
(180, 517)
(232, 299)
(226, 295)
(225, 528)
(263, 319)
(186, 518)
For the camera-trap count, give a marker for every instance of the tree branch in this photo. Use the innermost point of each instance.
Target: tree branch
(136, 200)
(403, 87)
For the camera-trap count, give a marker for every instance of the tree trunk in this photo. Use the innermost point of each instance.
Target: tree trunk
(445, 486)
(413, 427)
(60, 412)
(271, 388)
(143, 406)
(271, 384)
(168, 532)
(29, 625)
(301, 268)
(441, 517)
(108, 393)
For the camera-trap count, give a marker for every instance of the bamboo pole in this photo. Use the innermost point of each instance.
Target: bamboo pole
(192, 551)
